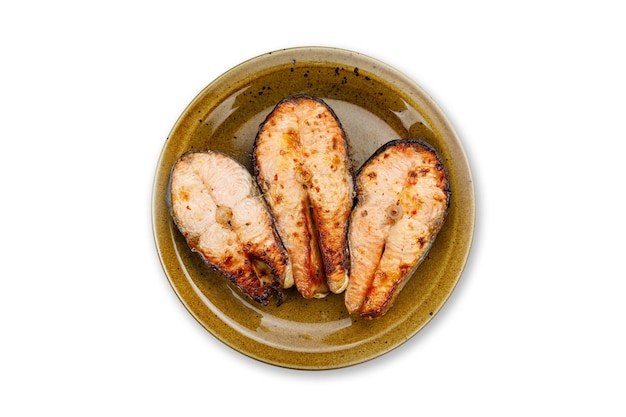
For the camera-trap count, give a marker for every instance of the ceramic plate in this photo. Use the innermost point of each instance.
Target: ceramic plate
(375, 104)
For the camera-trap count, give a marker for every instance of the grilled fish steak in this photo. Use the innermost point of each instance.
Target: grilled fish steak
(403, 197)
(218, 208)
(302, 166)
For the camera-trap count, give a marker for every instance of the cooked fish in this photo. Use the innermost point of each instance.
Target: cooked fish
(403, 197)
(217, 207)
(302, 166)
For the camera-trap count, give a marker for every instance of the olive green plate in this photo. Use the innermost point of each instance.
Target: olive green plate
(375, 103)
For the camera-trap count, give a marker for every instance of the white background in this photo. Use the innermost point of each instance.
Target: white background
(89, 324)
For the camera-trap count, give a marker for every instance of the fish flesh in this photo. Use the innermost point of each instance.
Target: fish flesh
(302, 166)
(403, 197)
(218, 208)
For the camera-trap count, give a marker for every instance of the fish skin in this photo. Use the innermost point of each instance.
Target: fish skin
(403, 197)
(302, 165)
(217, 206)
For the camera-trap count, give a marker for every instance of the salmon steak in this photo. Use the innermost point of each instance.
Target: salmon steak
(302, 166)
(403, 197)
(218, 208)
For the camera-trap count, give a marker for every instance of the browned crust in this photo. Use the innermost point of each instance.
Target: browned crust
(327, 236)
(239, 268)
(387, 284)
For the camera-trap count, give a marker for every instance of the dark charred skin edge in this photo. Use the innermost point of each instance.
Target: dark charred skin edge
(255, 165)
(379, 312)
(275, 289)
(411, 142)
(328, 255)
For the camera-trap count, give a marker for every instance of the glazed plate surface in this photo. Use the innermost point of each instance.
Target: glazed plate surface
(375, 104)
